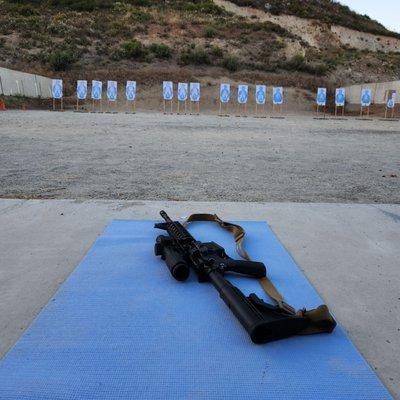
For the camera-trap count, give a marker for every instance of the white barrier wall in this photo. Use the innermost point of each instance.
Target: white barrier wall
(379, 90)
(14, 83)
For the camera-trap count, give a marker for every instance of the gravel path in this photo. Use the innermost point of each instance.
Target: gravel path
(153, 156)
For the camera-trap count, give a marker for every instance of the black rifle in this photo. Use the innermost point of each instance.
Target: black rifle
(181, 251)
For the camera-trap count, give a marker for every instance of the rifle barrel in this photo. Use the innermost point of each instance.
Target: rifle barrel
(165, 216)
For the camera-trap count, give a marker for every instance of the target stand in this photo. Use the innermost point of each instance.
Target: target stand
(170, 106)
(112, 107)
(389, 114)
(339, 116)
(191, 111)
(318, 113)
(277, 108)
(80, 107)
(223, 113)
(364, 116)
(96, 103)
(61, 103)
(241, 110)
(129, 109)
(184, 107)
(263, 111)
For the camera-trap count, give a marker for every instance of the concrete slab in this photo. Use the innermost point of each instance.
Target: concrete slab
(349, 252)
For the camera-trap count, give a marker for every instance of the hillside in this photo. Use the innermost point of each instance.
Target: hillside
(295, 43)
(325, 11)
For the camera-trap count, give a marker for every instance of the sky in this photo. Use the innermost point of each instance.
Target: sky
(387, 12)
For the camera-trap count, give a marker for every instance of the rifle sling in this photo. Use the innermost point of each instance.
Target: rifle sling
(320, 319)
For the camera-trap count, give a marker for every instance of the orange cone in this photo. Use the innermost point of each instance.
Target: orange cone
(2, 106)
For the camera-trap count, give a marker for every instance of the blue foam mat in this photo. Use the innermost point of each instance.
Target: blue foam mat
(121, 328)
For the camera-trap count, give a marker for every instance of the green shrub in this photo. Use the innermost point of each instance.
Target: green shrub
(265, 26)
(201, 7)
(134, 50)
(119, 28)
(61, 60)
(82, 5)
(231, 63)
(160, 50)
(209, 32)
(141, 16)
(116, 54)
(196, 56)
(216, 52)
(22, 9)
(296, 62)
(140, 3)
(299, 63)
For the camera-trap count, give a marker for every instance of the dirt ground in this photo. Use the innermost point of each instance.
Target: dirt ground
(152, 156)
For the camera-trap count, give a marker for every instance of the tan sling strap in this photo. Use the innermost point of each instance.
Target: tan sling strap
(321, 319)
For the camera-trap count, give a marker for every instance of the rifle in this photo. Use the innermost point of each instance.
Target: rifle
(264, 322)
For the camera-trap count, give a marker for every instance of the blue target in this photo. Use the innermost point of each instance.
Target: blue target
(225, 92)
(261, 94)
(182, 91)
(112, 90)
(97, 88)
(81, 90)
(321, 97)
(168, 90)
(366, 97)
(340, 97)
(130, 90)
(391, 102)
(195, 91)
(277, 95)
(57, 88)
(243, 94)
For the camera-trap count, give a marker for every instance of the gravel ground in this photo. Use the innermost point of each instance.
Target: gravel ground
(172, 157)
